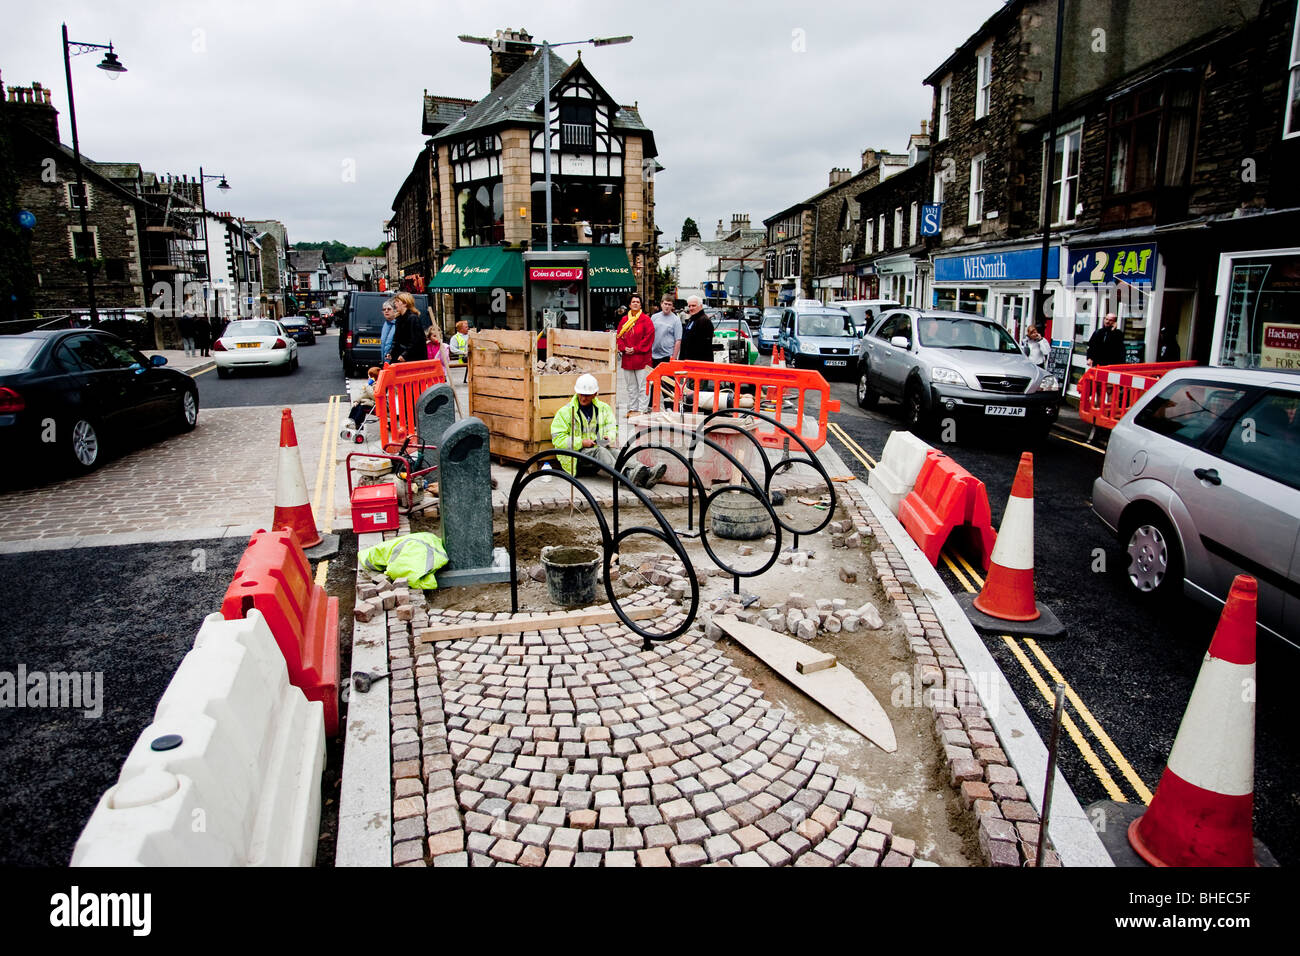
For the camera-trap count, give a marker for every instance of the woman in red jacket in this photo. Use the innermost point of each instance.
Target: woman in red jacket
(636, 336)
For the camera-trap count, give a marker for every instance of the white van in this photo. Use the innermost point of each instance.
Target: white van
(858, 308)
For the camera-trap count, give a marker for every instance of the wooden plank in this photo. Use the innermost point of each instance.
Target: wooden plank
(533, 622)
(835, 688)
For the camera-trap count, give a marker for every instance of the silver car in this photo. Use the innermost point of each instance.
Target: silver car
(954, 363)
(1202, 482)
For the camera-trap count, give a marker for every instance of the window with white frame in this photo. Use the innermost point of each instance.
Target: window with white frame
(983, 80)
(868, 237)
(945, 101)
(880, 233)
(914, 216)
(898, 228)
(938, 188)
(1292, 127)
(976, 211)
(83, 245)
(1063, 169)
(76, 195)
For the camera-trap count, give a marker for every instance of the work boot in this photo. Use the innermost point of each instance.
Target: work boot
(656, 475)
(638, 475)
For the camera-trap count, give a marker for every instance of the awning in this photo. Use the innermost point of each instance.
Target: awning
(608, 265)
(479, 269)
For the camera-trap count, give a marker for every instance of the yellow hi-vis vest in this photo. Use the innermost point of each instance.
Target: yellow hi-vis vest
(412, 556)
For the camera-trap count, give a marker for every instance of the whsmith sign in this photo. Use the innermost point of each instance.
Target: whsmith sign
(1018, 266)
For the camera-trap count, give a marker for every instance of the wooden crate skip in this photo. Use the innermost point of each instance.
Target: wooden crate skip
(514, 401)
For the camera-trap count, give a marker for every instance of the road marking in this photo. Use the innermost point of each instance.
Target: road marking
(853, 448)
(1089, 755)
(200, 372)
(1072, 441)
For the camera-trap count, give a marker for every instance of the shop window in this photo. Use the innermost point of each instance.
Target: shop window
(973, 300)
(581, 212)
(1260, 325)
(1063, 199)
(1150, 137)
(983, 80)
(577, 126)
(945, 299)
(976, 210)
(945, 102)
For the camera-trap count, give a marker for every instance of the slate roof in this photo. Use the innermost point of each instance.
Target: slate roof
(305, 260)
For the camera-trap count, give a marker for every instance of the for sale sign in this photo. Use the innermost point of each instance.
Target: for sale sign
(1281, 346)
(555, 273)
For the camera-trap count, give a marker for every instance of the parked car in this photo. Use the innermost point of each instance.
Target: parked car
(1201, 482)
(866, 311)
(818, 337)
(769, 328)
(953, 363)
(84, 389)
(300, 328)
(737, 338)
(361, 327)
(319, 319)
(255, 343)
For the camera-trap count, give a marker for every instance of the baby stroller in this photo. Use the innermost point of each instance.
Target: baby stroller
(351, 433)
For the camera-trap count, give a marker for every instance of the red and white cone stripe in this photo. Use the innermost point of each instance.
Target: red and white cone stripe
(292, 506)
(1008, 591)
(1201, 812)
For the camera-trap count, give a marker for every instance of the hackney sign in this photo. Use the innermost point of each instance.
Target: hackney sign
(1108, 265)
(1019, 265)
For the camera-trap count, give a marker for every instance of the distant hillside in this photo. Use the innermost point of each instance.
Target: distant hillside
(337, 251)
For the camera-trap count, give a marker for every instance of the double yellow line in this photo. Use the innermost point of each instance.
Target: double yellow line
(972, 581)
(323, 507)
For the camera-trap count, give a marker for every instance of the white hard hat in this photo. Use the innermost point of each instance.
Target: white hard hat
(586, 385)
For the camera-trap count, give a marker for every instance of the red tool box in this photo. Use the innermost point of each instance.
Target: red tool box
(374, 508)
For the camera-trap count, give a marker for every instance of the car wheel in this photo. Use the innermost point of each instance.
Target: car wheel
(189, 410)
(83, 447)
(868, 397)
(223, 372)
(1155, 568)
(918, 418)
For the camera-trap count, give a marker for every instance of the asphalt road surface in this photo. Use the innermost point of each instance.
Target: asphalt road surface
(1132, 666)
(319, 375)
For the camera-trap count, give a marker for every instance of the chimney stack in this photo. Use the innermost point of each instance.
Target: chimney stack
(838, 176)
(510, 51)
(31, 106)
(868, 158)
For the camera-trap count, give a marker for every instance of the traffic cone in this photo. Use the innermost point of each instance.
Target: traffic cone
(1006, 602)
(292, 508)
(1201, 812)
(778, 360)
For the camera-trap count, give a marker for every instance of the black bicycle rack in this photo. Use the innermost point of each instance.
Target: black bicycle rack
(609, 542)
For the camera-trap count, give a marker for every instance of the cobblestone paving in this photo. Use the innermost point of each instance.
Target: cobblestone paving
(574, 747)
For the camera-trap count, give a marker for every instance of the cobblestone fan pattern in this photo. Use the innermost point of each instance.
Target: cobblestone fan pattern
(574, 747)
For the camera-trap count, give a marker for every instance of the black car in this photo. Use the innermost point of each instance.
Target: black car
(362, 329)
(300, 328)
(70, 392)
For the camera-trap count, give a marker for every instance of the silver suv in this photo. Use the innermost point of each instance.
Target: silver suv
(953, 363)
(1202, 482)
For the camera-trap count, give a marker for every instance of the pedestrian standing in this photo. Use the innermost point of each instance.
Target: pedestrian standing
(460, 342)
(1106, 347)
(186, 326)
(1167, 349)
(668, 333)
(1037, 347)
(436, 350)
(388, 329)
(697, 333)
(635, 339)
(202, 335)
(408, 343)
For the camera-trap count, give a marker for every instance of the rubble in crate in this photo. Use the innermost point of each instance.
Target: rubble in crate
(559, 366)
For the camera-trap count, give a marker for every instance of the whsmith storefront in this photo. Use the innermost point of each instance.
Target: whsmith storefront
(1000, 284)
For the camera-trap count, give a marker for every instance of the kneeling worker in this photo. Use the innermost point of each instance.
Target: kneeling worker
(586, 425)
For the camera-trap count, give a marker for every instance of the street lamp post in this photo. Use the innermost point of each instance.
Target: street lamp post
(113, 67)
(546, 83)
(207, 241)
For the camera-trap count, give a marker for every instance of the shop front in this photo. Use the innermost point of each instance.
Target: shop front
(999, 284)
(1257, 324)
(900, 280)
(485, 285)
(1112, 278)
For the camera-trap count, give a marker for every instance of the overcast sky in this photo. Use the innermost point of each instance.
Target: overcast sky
(313, 110)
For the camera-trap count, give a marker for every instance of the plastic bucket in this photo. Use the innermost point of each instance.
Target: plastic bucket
(571, 575)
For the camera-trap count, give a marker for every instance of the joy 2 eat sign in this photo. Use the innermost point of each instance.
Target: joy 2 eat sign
(1110, 264)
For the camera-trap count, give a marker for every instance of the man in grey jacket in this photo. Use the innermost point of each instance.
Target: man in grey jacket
(668, 333)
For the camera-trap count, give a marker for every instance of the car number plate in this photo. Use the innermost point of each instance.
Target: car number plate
(367, 341)
(248, 345)
(1012, 411)
(839, 362)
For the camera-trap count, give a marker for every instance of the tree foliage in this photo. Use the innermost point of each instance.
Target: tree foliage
(336, 251)
(690, 230)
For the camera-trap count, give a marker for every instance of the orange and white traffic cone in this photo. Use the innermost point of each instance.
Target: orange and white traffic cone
(778, 360)
(292, 507)
(1201, 812)
(1006, 602)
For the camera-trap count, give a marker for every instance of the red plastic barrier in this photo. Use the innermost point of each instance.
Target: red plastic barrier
(769, 385)
(946, 496)
(1106, 392)
(396, 391)
(275, 577)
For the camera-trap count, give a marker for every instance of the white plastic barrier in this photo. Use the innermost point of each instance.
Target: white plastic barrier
(241, 786)
(900, 463)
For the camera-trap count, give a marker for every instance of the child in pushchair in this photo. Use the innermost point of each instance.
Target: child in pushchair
(363, 406)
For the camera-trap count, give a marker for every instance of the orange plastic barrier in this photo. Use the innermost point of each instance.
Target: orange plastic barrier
(769, 386)
(275, 577)
(946, 496)
(396, 391)
(1106, 392)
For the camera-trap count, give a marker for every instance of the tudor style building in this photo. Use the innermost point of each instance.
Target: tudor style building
(475, 200)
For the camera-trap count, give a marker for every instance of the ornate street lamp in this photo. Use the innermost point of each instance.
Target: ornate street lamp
(111, 65)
